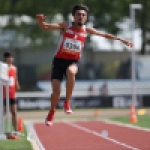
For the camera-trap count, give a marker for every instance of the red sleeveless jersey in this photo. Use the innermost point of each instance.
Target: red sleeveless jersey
(12, 83)
(71, 43)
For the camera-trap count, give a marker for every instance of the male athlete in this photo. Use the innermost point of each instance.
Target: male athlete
(13, 86)
(65, 62)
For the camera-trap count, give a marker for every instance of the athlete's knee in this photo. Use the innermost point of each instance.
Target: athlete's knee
(72, 71)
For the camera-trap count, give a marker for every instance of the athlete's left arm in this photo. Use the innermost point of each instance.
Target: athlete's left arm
(17, 82)
(108, 36)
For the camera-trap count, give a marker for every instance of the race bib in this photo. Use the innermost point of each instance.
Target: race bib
(72, 46)
(11, 81)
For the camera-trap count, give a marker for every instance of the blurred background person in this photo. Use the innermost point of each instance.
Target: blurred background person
(13, 86)
(91, 90)
(104, 89)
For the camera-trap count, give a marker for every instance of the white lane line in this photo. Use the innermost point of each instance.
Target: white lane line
(125, 125)
(32, 135)
(100, 135)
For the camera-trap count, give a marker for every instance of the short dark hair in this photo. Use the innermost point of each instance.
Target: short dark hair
(79, 7)
(7, 54)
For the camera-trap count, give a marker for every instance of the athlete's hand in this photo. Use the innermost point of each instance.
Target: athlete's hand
(18, 87)
(40, 17)
(128, 43)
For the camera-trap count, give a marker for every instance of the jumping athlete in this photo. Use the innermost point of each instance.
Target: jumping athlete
(13, 86)
(65, 62)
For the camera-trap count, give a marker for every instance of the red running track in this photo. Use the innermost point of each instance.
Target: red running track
(87, 136)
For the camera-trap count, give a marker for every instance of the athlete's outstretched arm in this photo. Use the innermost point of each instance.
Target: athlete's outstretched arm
(49, 26)
(108, 36)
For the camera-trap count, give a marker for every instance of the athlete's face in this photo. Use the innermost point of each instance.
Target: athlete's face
(80, 17)
(9, 59)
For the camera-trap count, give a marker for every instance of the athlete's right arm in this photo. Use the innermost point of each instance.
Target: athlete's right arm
(49, 26)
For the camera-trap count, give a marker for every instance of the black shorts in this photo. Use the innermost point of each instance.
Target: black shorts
(11, 101)
(59, 67)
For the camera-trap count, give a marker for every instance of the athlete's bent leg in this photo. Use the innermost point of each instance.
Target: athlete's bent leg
(70, 73)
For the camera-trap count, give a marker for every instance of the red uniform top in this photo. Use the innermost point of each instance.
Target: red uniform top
(71, 43)
(12, 83)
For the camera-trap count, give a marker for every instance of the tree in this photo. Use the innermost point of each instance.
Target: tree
(116, 11)
(30, 30)
(105, 14)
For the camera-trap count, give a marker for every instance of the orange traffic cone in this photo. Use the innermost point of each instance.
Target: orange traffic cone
(20, 125)
(96, 113)
(133, 117)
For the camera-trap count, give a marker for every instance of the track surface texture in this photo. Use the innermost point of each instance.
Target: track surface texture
(87, 135)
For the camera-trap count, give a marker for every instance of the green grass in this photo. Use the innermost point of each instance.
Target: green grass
(21, 144)
(143, 121)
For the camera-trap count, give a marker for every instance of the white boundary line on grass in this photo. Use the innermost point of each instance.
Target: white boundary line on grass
(100, 135)
(125, 125)
(32, 135)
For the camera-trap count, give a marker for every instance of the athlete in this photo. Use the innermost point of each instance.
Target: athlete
(65, 62)
(13, 86)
